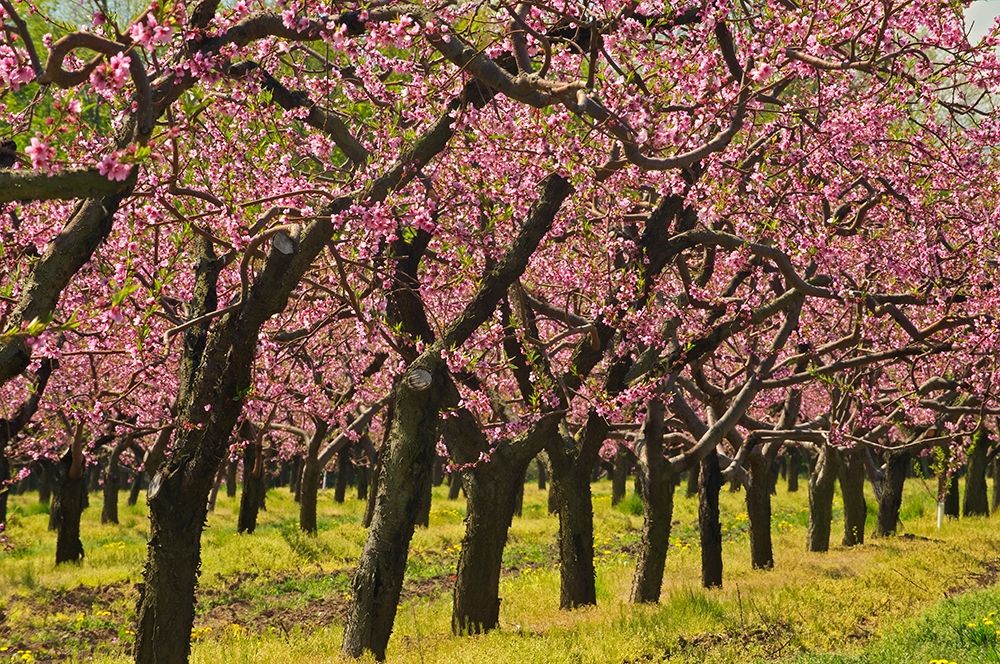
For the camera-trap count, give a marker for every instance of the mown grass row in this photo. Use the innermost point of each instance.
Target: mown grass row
(277, 595)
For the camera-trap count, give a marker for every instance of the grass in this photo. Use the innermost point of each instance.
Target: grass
(279, 595)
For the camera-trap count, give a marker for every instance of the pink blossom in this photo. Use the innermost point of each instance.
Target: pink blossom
(113, 169)
(41, 154)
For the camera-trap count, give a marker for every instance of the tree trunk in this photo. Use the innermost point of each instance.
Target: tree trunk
(491, 491)
(571, 490)
(112, 475)
(822, 482)
(253, 487)
(231, 478)
(890, 497)
(996, 484)
(212, 497)
(454, 486)
(343, 473)
(758, 502)
(295, 479)
(542, 474)
(4, 488)
(692, 481)
(309, 482)
(709, 523)
(852, 488)
(363, 473)
(44, 482)
(658, 504)
(619, 476)
(135, 489)
(407, 461)
(166, 606)
(977, 501)
(794, 460)
(952, 500)
(72, 488)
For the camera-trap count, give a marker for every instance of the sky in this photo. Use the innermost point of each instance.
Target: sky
(980, 16)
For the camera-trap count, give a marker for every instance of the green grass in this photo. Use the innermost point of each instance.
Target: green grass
(279, 595)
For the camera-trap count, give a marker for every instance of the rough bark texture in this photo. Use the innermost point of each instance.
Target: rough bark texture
(692, 481)
(822, 482)
(977, 500)
(571, 490)
(996, 485)
(232, 473)
(758, 501)
(476, 598)
(344, 471)
(454, 486)
(72, 487)
(793, 459)
(658, 504)
(112, 475)
(619, 476)
(405, 476)
(309, 482)
(253, 488)
(952, 499)
(709, 523)
(4, 489)
(890, 496)
(852, 488)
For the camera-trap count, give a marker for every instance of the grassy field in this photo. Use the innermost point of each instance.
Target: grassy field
(279, 596)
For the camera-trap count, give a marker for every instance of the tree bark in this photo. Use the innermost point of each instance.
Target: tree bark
(363, 472)
(658, 503)
(72, 487)
(852, 488)
(406, 468)
(454, 486)
(709, 523)
(758, 502)
(344, 468)
(996, 484)
(309, 482)
(112, 475)
(977, 501)
(619, 476)
(890, 496)
(822, 482)
(232, 469)
(794, 461)
(571, 491)
(692, 481)
(542, 474)
(491, 493)
(253, 487)
(4, 488)
(952, 500)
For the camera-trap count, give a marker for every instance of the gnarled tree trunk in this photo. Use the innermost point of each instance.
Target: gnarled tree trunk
(852, 488)
(758, 502)
(977, 501)
(890, 494)
(709, 485)
(822, 482)
(253, 487)
(72, 487)
(658, 501)
(491, 496)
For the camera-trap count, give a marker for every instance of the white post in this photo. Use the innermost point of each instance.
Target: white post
(940, 513)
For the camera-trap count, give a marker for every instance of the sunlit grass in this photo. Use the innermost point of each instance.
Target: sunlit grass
(263, 595)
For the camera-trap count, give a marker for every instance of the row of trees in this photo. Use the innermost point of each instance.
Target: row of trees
(699, 236)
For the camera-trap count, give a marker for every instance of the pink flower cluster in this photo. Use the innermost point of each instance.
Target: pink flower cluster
(113, 169)
(149, 33)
